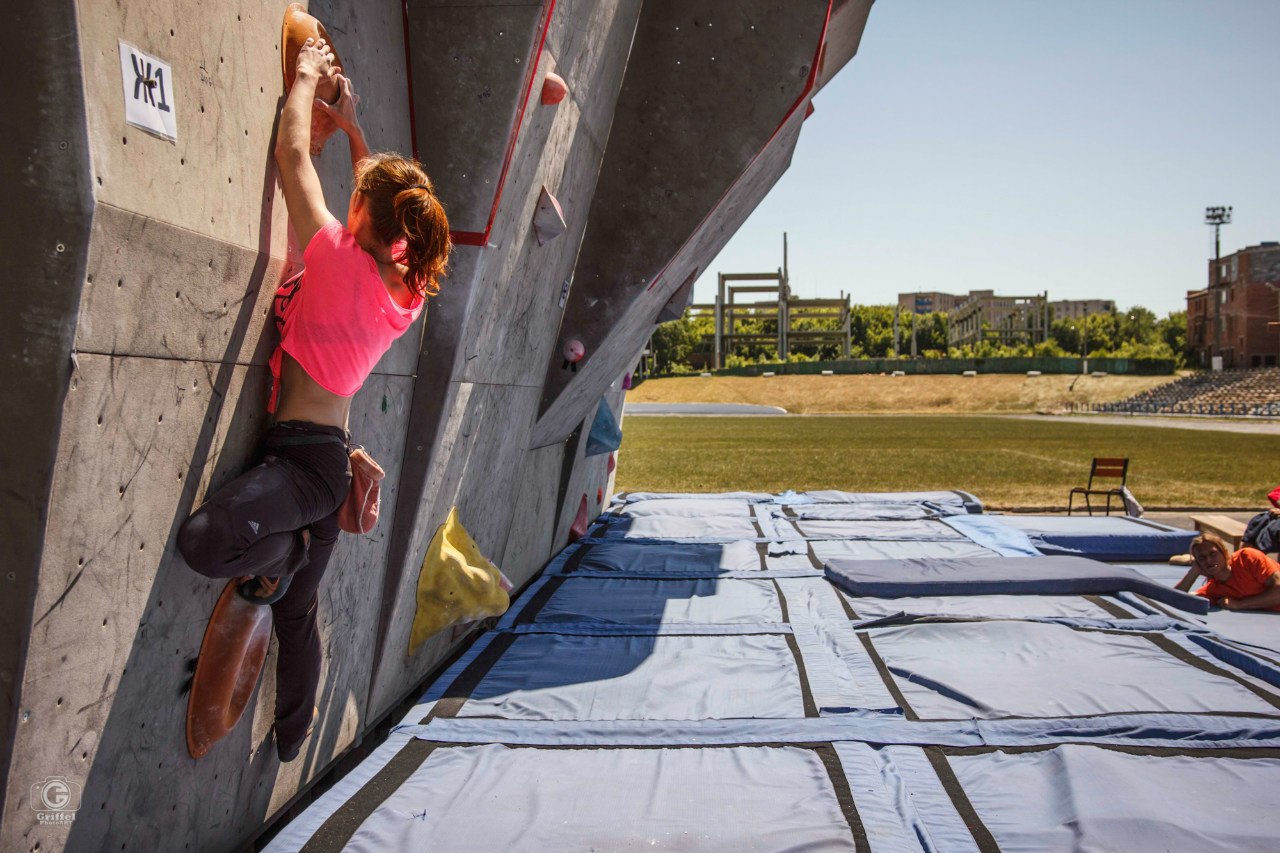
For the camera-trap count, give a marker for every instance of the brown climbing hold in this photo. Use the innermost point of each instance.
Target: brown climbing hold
(231, 657)
(553, 88)
(579, 527)
(299, 26)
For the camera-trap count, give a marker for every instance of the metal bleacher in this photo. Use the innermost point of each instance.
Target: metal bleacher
(1228, 392)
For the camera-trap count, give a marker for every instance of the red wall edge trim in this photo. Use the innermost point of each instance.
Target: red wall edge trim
(808, 88)
(469, 238)
(481, 238)
(534, 58)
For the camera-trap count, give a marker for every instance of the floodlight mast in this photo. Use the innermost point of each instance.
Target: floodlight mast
(1217, 217)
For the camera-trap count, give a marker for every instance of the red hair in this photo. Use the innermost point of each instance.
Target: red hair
(403, 207)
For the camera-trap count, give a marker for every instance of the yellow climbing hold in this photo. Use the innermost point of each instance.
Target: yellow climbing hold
(457, 583)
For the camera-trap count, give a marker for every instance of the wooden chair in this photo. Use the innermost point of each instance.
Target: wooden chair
(1102, 475)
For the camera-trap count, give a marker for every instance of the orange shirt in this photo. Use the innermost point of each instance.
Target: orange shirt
(1250, 569)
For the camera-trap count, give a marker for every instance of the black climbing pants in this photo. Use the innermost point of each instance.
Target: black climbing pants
(253, 526)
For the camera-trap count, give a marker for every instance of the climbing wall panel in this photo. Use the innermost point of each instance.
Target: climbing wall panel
(143, 444)
(477, 468)
(533, 526)
(470, 64)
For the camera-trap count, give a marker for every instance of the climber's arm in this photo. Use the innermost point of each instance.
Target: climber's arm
(303, 195)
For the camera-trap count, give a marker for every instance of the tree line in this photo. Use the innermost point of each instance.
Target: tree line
(1136, 333)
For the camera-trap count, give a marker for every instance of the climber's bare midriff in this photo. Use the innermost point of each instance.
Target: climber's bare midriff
(303, 399)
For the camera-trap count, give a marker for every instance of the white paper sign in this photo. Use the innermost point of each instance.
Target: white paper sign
(148, 92)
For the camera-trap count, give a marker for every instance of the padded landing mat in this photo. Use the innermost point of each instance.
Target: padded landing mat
(989, 670)
(1000, 575)
(1113, 538)
(991, 606)
(636, 601)
(1068, 798)
(646, 677)
(708, 694)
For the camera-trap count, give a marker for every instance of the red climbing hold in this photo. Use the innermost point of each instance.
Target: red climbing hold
(600, 495)
(231, 656)
(579, 527)
(553, 88)
(613, 462)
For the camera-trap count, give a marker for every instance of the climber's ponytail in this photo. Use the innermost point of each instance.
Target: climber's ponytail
(403, 208)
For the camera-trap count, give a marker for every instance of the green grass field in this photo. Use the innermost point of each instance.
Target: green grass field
(1005, 462)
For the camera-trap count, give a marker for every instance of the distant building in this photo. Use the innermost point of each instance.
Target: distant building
(928, 302)
(1005, 319)
(1074, 309)
(1230, 317)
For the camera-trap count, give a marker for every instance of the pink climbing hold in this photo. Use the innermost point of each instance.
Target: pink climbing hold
(613, 462)
(553, 88)
(573, 353)
(579, 527)
(626, 382)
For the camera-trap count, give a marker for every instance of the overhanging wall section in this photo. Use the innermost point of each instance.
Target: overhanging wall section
(704, 93)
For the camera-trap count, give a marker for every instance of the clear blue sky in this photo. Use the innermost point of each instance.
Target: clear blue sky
(1030, 145)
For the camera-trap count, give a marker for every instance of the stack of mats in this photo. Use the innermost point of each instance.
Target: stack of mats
(688, 678)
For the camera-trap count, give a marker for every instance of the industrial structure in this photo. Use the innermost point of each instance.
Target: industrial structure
(829, 319)
(983, 316)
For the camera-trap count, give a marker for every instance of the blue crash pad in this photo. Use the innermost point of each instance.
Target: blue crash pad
(1101, 537)
(999, 576)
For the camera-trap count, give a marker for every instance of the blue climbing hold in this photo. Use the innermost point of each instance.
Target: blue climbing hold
(606, 435)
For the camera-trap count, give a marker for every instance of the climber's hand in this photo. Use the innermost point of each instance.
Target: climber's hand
(343, 111)
(315, 60)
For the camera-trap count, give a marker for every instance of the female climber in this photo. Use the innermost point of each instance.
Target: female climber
(362, 286)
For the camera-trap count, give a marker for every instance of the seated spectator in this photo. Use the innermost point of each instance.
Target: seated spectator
(1263, 531)
(1245, 580)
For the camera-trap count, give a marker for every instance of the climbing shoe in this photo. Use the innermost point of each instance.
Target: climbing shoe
(288, 754)
(258, 589)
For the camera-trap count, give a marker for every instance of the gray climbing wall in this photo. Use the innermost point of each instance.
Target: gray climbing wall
(140, 350)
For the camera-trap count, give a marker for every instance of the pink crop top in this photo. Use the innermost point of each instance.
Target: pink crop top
(341, 322)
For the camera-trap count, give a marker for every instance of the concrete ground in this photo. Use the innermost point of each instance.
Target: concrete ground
(700, 409)
(1255, 426)
(1242, 425)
